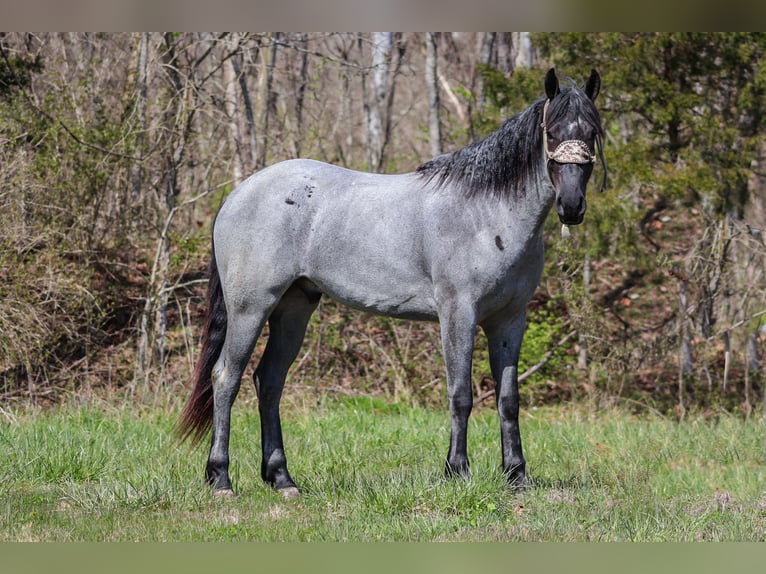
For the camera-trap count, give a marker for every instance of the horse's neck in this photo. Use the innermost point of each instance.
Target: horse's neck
(531, 208)
(529, 205)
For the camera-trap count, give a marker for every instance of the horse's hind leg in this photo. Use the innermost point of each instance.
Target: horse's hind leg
(242, 330)
(287, 327)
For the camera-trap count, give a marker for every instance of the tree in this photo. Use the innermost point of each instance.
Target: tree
(687, 112)
(388, 50)
(432, 87)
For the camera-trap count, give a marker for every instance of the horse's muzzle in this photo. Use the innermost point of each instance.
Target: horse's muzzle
(566, 221)
(571, 211)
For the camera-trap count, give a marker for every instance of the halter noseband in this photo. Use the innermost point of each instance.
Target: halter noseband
(569, 151)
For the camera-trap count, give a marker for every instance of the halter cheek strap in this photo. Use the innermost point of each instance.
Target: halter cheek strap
(569, 151)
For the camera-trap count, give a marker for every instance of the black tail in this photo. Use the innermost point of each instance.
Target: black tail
(197, 416)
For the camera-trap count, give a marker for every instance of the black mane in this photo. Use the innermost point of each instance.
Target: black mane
(510, 160)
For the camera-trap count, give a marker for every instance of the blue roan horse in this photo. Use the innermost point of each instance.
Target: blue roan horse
(459, 241)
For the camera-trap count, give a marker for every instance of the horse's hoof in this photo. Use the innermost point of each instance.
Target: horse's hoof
(224, 493)
(519, 487)
(461, 470)
(518, 481)
(290, 493)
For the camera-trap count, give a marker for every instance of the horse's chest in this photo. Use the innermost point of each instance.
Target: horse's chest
(512, 281)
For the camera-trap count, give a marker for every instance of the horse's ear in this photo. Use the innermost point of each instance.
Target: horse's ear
(593, 86)
(551, 84)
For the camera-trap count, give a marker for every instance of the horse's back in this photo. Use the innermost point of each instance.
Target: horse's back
(302, 187)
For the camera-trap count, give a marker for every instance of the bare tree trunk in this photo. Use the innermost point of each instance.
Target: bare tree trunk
(486, 49)
(179, 117)
(451, 57)
(755, 219)
(505, 52)
(142, 52)
(686, 358)
(365, 100)
(397, 56)
(249, 152)
(300, 91)
(267, 96)
(432, 86)
(523, 58)
(145, 342)
(726, 359)
(748, 350)
(382, 43)
(346, 103)
(231, 107)
(582, 340)
(753, 355)
(386, 63)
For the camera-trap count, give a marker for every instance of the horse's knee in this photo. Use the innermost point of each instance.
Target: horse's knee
(462, 410)
(461, 403)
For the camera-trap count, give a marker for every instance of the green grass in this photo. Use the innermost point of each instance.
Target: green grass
(370, 470)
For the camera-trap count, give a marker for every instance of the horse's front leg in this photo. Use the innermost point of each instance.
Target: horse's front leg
(458, 325)
(504, 340)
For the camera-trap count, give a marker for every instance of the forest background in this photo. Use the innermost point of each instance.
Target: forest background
(116, 150)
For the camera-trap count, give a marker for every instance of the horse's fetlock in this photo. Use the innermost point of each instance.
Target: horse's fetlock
(274, 466)
(217, 476)
(274, 472)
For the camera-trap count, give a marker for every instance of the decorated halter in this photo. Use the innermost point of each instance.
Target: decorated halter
(569, 151)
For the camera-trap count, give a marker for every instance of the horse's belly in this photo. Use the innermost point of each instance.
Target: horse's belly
(381, 296)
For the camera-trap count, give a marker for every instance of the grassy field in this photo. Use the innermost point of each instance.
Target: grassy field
(370, 470)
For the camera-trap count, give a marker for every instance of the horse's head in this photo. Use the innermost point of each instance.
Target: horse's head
(571, 133)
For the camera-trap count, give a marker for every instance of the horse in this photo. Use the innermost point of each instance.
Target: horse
(458, 241)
